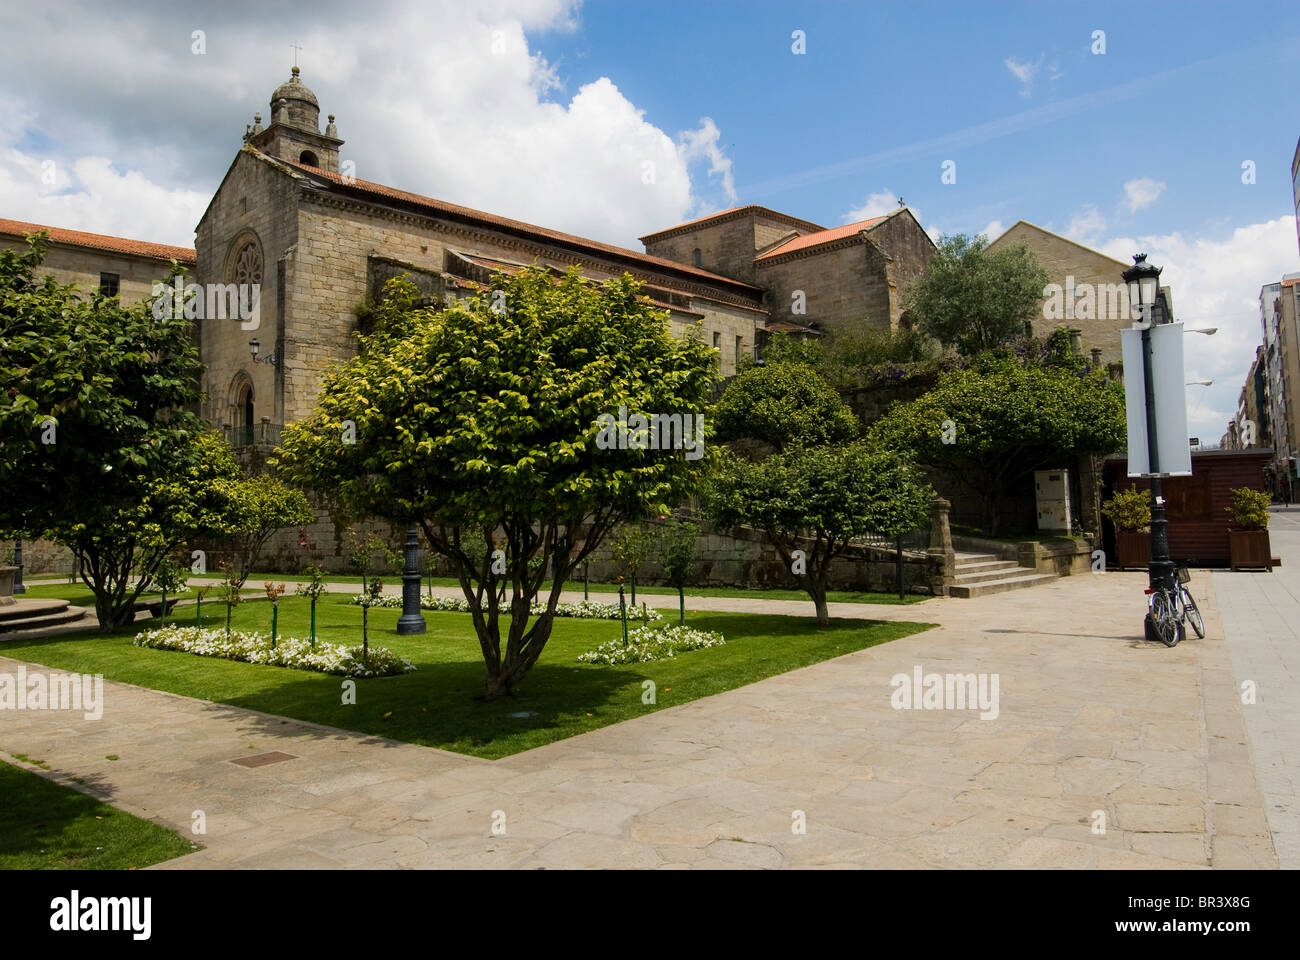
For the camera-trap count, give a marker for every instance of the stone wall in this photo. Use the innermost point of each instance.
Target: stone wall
(843, 284)
(68, 264)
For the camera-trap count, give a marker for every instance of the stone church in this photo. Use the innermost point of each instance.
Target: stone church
(320, 243)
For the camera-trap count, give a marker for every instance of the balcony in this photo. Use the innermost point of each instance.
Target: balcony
(264, 434)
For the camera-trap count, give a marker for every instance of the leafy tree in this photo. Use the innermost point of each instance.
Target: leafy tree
(258, 507)
(972, 298)
(999, 420)
(169, 577)
(229, 590)
(678, 545)
(99, 449)
(485, 416)
(781, 403)
(817, 499)
(629, 550)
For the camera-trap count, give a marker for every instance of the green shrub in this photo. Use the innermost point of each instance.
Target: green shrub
(1129, 510)
(1249, 508)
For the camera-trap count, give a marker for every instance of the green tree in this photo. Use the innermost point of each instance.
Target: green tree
(486, 416)
(258, 507)
(999, 420)
(629, 550)
(817, 499)
(170, 578)
(822, 488)
(782, 403)
(678, 546)
(98, 448)
(973, 298)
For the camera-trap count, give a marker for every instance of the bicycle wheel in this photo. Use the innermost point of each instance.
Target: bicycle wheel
(1193, 613)
(1166, 626)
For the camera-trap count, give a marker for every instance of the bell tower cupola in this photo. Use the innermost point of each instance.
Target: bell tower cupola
(294, 131)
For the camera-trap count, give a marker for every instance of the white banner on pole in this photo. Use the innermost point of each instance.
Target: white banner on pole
(1174, 456)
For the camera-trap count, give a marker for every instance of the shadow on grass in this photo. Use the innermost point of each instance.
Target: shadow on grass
(441, 705)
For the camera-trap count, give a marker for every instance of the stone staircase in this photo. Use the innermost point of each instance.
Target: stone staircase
(979, 574)
(35, 614)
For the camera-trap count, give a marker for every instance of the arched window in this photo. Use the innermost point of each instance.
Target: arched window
(308, 158)
(246, 266)
(698, 258)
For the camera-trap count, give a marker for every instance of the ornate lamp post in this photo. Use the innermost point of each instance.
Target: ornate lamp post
(412, 620)
(1143, 280)
(18, 562)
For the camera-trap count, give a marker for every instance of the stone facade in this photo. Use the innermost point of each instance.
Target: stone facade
(1073, 265)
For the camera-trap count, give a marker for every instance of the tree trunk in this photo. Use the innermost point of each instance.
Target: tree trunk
(817, 590)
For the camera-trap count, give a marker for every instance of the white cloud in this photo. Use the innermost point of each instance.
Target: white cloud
(993, 230)
(876, 205)
(1086, 226)
(442, 98)
(1142, 192)
(1024, 72)
(1215, 283)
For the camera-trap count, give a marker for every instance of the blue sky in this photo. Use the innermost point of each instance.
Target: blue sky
(550, 111)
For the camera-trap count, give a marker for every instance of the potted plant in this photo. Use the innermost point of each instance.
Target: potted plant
(1130, 511)
(1248, 544)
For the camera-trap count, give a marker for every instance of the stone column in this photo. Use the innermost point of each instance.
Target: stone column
(942, 558)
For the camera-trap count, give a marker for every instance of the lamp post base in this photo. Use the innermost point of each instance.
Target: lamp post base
(412, 620)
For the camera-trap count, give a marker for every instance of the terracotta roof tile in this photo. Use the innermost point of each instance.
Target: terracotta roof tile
(806, 224)
(99, 241)
(518, 226)
(817, 239)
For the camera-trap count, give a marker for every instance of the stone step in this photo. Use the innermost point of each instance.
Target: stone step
(984, 565)
(1000, 572)
(23, 608)
(48, 619)
(974, 557)
(1030, 579)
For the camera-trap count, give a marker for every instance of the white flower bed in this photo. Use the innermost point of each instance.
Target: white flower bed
(584, 609)
(292, 652)
(645, 645)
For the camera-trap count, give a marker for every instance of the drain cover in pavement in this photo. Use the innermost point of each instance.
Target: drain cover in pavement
(262, 759)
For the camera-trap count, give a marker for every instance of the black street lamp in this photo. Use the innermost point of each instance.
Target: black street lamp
(412, 620)
(255, 348)
(18, 562)
(1143, 281)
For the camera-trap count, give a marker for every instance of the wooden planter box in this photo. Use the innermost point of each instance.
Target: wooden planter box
(1250, 549)
(1133, 548)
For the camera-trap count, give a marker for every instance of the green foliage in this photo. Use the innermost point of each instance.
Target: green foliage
(781, 404)
(99, 449)
(1249, 508)
(784, 348)
(819, 498)
(974, 299)
(314, 588)
(1129, 510)
(1004, 421)
(256, 508)
(483, 416)
(678, 549)
(630, 549)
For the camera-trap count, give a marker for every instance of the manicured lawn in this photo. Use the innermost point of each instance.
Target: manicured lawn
(46, 826)
(438, 705)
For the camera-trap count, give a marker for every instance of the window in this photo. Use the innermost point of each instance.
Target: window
(717, 340)
(108, 284)
(740, 345)
(308, 158)
(698, 258)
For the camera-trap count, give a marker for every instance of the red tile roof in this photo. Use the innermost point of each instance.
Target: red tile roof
(807, 225)
(825, 236)
(99, 241)
(529, 229)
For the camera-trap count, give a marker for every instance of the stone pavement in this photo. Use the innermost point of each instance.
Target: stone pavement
(1261, 614)
(1096, 728)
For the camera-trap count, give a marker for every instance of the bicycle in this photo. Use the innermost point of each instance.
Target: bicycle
(1187, 609)
(1163, 621)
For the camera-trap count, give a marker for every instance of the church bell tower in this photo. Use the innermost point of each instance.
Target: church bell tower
(294, 133)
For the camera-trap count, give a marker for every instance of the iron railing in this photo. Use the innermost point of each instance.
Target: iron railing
(250, 435)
